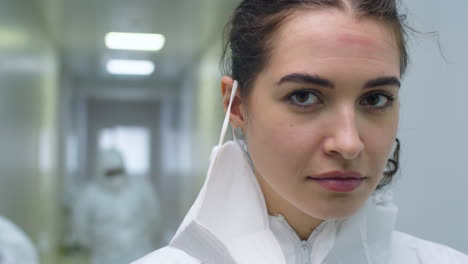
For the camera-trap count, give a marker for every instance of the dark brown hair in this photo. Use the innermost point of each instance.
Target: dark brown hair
(248, 36)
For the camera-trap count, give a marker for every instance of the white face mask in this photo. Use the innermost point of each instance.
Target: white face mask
(227, 164)
(117, 181)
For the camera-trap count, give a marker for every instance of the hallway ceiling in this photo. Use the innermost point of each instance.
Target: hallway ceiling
(189, 26)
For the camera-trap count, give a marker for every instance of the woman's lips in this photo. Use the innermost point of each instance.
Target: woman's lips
(337, 181)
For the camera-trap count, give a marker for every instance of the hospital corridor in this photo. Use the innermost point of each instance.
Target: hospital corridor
(108, 111)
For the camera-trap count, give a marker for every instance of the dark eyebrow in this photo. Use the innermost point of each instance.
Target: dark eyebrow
(317, 80)
(306, 78)
(383, 81)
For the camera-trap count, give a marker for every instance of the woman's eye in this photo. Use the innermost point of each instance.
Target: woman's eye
(304, 98)
(377, 100)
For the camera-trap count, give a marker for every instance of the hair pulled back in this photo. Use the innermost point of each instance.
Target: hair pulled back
(247, 43)
(249, 34)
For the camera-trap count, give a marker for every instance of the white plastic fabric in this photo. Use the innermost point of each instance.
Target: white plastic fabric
(229, 223)
(117, 218)
(15, 246)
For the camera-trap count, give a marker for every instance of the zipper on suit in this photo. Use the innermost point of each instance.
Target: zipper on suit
(305, 252)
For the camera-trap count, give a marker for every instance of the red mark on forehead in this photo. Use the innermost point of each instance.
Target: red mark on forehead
(355, 40)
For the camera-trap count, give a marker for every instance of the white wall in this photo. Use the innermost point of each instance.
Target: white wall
(29, 182)
(431, 191)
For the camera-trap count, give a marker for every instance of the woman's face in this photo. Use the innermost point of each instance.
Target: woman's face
(322, 117)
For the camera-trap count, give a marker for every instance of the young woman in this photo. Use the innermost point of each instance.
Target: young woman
(312, 93)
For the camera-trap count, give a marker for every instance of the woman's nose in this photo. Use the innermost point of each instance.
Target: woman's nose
(344, 138)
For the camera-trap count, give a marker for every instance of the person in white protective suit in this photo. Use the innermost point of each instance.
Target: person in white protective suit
(116, 217)
(15, 246)
(312, 97)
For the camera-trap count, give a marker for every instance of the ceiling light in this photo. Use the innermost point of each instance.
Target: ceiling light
(130, 67)
(134, 41)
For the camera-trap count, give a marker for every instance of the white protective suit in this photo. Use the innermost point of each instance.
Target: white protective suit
(229, 223)
(116, 217)
(15, 246)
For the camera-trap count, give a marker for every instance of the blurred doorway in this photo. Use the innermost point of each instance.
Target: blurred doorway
(131, 127)
(133, 142)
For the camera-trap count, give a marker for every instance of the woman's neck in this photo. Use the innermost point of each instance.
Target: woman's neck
(302, 223)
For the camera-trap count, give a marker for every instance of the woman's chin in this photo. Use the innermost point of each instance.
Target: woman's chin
(334, 209)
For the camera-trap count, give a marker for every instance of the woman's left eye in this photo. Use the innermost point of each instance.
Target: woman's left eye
(377, 100)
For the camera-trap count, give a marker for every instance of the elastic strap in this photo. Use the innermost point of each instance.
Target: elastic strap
(228, 114)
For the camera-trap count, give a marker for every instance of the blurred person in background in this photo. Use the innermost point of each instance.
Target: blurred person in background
(15, 246)
(116, 217)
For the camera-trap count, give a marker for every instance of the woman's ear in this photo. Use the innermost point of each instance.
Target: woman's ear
(237, 117)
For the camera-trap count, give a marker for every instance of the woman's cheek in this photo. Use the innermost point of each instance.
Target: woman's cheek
(379, 144)
(284, 147)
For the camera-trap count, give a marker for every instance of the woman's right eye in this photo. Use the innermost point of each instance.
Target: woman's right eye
(304, 98)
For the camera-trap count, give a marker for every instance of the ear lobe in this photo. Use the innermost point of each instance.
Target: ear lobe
(237, 107)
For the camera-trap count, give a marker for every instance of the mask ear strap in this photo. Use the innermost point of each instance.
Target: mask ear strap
(228, 114)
